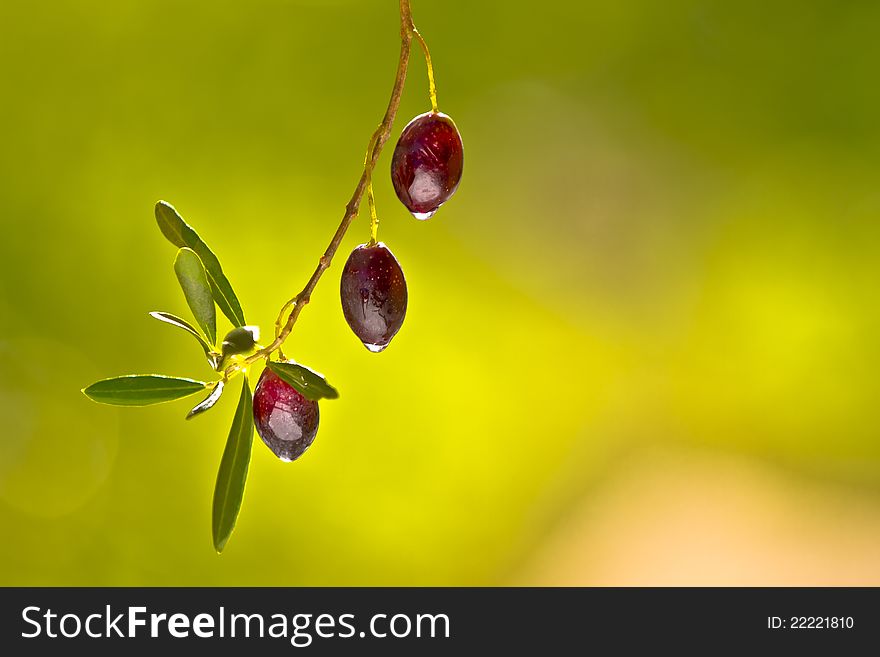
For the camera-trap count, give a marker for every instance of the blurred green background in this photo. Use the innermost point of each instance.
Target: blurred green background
(642, 340)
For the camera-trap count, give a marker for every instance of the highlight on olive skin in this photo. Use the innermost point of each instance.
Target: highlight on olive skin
(286, 421)
(427, 163)
(374, 296)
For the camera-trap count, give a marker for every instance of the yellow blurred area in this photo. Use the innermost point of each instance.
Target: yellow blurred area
(641, 344)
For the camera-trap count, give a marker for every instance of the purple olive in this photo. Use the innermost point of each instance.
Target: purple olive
(427, 163)
(286, 421)
(373, 292)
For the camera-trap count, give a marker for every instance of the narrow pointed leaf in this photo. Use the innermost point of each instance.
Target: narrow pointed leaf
(233, 471)
(181, 234)
(193, 280)
(174, 320)
(307, 382)
(207, 402)
(142, 389)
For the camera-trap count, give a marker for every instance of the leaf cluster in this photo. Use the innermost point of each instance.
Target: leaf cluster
(206, 289)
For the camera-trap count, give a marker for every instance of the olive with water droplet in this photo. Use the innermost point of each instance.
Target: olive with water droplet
(427, 163)
(373, 292)
(286, 421)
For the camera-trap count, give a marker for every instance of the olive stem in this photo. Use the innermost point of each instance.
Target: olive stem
(432, 86)
(380, 136)
(371, 199)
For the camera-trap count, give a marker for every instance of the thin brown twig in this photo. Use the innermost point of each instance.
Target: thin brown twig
(380, 136)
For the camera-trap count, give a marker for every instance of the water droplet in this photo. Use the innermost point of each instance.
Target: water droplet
(375, 348)
(421, 216)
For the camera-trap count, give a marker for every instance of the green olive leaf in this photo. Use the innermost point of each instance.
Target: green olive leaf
(233, 471)
(309, 383)
(174, 320)
(142, 389)
(181, 234)
(193, 280)
(207, 402)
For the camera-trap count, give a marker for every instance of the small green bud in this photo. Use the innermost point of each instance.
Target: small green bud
(241, 340)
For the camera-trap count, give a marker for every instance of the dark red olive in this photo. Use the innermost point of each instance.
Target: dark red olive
(427, 162)
(286, 421)
(373, 292)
